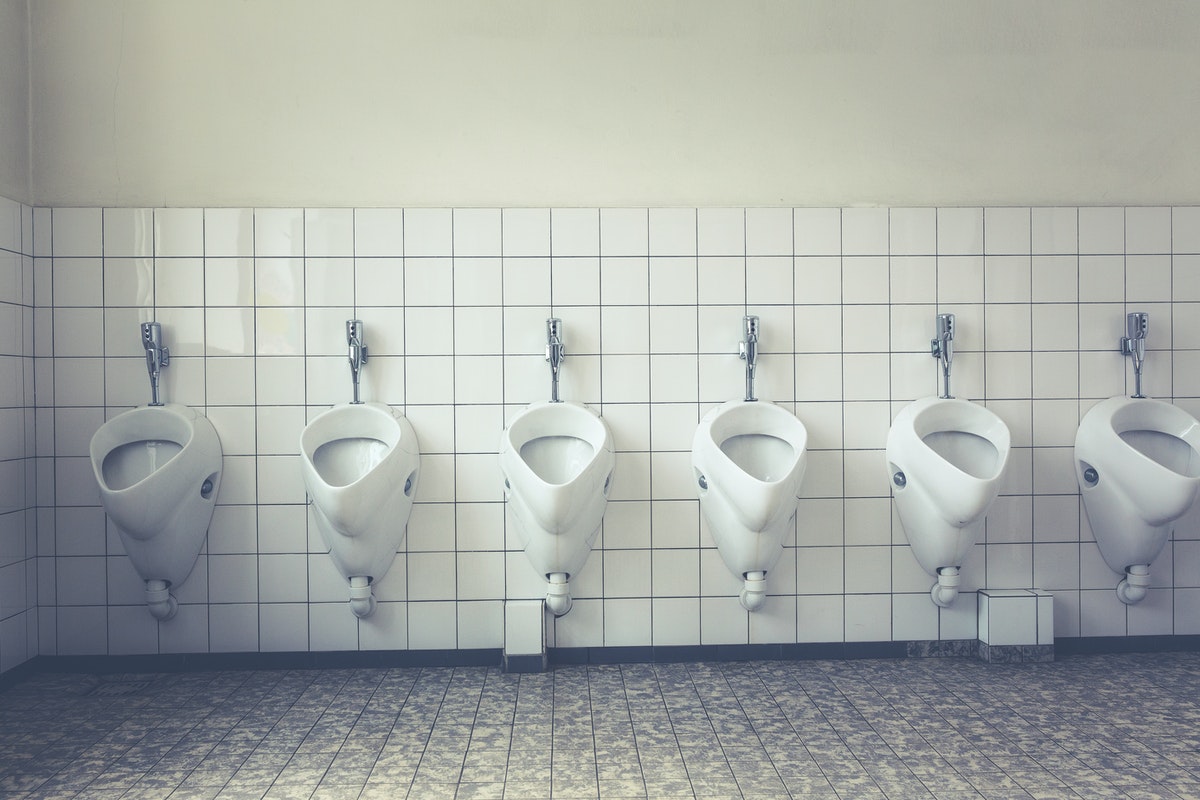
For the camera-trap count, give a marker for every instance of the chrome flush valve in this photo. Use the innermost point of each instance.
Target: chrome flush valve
(942, 348)
(1133, 344)
(555, 353)
(157, 356)
(357, 352)
(748, 352)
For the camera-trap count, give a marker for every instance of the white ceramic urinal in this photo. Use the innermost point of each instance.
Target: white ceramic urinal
(946, 459)
(159, 470)
(749, 459)
(361, 462)
(557, 459)
(1137, 461)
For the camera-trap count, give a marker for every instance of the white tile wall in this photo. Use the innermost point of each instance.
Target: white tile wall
(253, 302)
(18, 441)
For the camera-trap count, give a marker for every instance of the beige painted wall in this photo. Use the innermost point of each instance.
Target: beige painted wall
(566, 102)
(14, 101)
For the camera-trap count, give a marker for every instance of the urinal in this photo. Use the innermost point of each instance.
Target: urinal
(749, 458)
(1137, 461)
(159, 471)
(946, 459)
(557, 459)
(361, 463)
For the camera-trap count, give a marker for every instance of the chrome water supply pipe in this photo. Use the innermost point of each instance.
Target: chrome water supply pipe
(942, 348)
(157, 356)
(1133, 344)
(748, 352)
(555, 353)
(357, 352)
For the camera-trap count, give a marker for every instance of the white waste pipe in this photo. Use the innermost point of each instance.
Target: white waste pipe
(946, 589)
(558, 593)
(159, 600)
(362, 601)
(1133, 588)
(754, 593)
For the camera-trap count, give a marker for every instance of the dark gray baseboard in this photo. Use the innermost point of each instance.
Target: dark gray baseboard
(566, 656)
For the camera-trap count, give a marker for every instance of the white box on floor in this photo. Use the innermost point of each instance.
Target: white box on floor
(524, 636)
(1015, 618)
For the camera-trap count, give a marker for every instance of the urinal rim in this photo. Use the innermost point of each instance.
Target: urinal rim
(1168, 414)
(598, 434)
(385, 419)
(786, 427)
(123, 429)
(1098, 432)
(401, 441)
(600, 439)
(983, 422)
(903, 436)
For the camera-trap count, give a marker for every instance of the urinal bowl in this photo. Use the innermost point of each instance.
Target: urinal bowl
(946, 459)
(1137, 461)
(748, 459)
(361, 464)
(557, 460)
(158, 469)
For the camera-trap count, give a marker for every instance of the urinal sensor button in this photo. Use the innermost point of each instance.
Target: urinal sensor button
(1090, 476)
(900, 480)
(206, 489)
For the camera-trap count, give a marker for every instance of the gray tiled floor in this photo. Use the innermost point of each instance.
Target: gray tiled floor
(1090, 727)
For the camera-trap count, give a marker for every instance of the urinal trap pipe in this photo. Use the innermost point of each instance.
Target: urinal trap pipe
(161, 604)
(362, 599)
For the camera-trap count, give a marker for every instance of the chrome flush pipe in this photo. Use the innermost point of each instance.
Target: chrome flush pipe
(555, 353)
(748, 352)
(157, 356)
(357, 352)
(942, 348)
(1133, 344)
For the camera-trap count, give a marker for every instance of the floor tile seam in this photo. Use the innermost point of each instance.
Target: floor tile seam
(431, 722)
(671, 721)
(738, 700)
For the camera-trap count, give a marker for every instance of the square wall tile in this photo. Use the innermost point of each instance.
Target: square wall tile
(233, 628)
(481, 625)
(1007, 231)
(283, 627)
(178, 232)
(868, 618)
(624, 232)
(428, 232)
(960, 231)
(864, 231)
(279, 232)
(329, 232)
(721, 232)
(1054, 231)
(575, 232)
(1101, 231)
(912, 231)
(228, 232)
(1147, 230)
(128, 232)
(379, 232)
(1185, 230)
(76, 232)
(526, 231)
(477, 232)
(673, 232)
